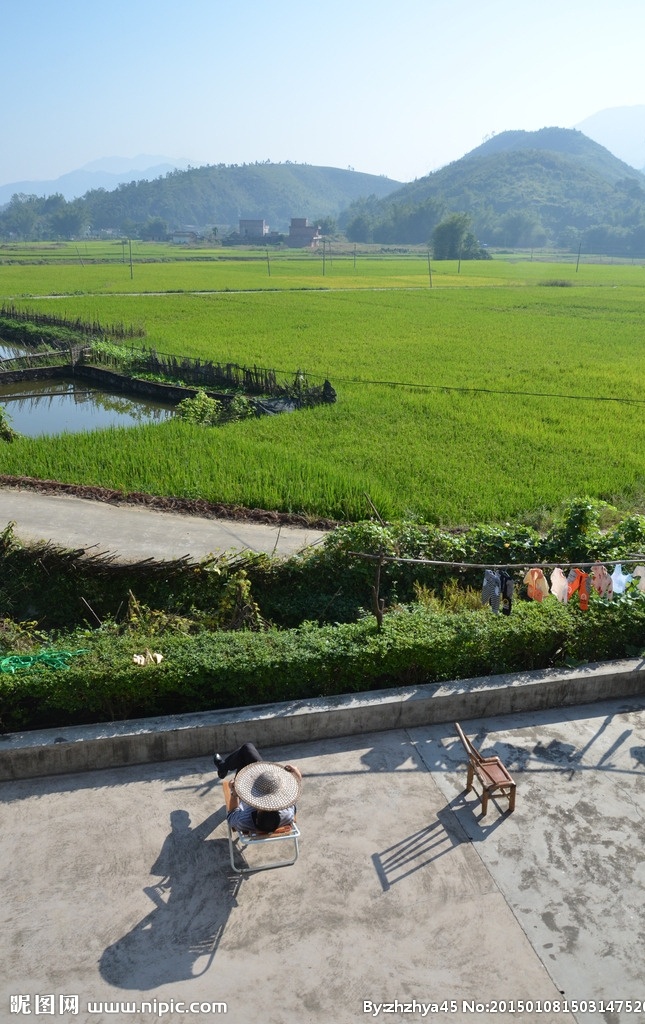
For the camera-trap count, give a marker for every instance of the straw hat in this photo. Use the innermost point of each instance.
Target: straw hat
(267, 786)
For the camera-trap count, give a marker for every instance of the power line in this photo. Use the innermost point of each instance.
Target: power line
(627, 560)
(487, 391)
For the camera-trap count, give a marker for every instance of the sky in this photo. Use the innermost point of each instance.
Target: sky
(390, 87)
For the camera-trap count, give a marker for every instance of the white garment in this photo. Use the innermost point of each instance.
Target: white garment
(559, 586)
(620, 579)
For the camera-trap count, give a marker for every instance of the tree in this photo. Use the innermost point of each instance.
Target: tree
(69, 220)
(327, 225)
(452, 239)
(21, 216)
(359, 229)
(154, 230)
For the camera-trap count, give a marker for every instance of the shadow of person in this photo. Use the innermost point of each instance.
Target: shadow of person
(178, 939)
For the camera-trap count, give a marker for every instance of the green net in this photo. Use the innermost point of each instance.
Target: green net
(49, 659)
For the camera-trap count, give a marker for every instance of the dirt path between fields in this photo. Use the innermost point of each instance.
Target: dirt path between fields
(138, 526)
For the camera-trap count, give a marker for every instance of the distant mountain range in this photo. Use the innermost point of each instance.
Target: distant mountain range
(555, 186)
(621, 130)
(106, 173)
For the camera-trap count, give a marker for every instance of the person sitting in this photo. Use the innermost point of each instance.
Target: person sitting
(263, 795)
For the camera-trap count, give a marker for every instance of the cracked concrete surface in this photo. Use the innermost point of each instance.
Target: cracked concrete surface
(117, 884)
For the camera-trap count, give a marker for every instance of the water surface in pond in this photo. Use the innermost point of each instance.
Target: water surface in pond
(47, 407)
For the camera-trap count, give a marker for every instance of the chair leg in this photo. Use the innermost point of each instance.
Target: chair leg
(231, 850)
(469, 779)
(511, 799)
(484, 802)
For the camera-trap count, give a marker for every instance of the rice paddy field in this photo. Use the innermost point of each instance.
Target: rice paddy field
(481, 393)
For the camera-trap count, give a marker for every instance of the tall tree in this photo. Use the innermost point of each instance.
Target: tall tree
(452, 239)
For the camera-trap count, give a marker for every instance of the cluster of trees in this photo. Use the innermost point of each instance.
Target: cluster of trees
(450, 235)
(51, 218)
(29, 218)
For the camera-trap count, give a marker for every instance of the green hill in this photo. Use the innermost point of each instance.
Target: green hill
(553, 186)
(200, 197)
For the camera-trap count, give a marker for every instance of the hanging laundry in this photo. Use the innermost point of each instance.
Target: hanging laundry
(639, 573)
(537, 586)
(577, 580)
(507, 587)
(602, 581)
(559, 585)
(620, 579)
(492, 589)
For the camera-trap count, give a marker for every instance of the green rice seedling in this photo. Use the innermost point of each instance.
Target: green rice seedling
(478, 400)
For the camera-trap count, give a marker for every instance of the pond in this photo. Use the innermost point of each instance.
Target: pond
(46, 407)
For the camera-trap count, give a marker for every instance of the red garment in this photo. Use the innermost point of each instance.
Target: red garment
(579, 580)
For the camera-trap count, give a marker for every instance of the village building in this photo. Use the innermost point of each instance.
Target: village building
(302, 235)
(249, 228)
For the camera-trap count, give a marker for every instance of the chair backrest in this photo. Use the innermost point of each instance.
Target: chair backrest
(470, 749)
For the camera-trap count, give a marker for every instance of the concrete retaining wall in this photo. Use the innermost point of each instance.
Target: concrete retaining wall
(83, 748)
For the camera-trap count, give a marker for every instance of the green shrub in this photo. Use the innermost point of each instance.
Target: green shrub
(217, 670)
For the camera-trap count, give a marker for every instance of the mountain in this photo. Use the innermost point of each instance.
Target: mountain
(519, 188)
(221, 195)
(621, 130)
(200, 197)
(107, 173)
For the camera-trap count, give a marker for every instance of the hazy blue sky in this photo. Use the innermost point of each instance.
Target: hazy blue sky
(397, 88)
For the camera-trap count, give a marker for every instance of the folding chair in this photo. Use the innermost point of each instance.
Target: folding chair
(243, 840)
(490, 772)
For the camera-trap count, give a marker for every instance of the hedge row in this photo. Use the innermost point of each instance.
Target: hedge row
(218, 670)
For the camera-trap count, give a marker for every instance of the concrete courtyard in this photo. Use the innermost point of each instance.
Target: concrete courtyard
(119, 902)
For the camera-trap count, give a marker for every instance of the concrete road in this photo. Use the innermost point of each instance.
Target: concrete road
(134, 533)
(117, 888)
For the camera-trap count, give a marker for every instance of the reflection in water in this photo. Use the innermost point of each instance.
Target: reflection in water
(37, 408)
(10, 351)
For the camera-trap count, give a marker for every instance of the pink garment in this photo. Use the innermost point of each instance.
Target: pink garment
(559, 585)
(538, 588)
(602, 581)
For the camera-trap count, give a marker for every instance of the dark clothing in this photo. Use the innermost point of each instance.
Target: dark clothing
(248, 753)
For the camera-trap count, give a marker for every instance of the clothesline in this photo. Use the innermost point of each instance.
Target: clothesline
(628, 560)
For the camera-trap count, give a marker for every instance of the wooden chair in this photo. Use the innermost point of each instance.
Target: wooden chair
(286, 833)
(490, 772)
